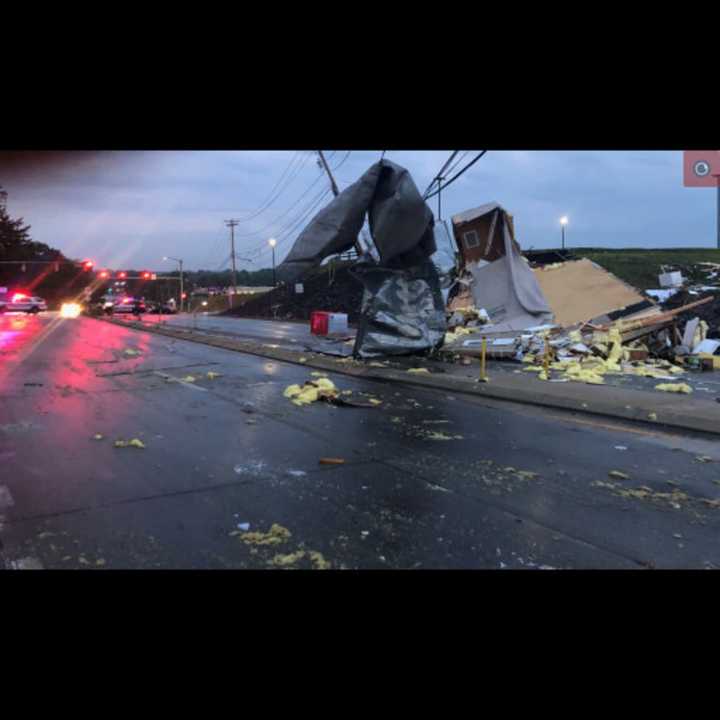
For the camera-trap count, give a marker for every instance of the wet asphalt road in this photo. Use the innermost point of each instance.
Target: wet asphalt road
(511, 488)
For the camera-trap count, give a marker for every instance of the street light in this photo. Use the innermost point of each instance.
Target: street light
(180, 263)
(273, 242)
(563, 223)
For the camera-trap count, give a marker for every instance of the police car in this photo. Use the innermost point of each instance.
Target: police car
(21, 302)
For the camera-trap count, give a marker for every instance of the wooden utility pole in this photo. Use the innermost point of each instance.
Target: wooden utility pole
(231, 224)
(336, 192)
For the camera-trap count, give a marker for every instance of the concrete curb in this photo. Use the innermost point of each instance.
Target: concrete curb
(635, 405)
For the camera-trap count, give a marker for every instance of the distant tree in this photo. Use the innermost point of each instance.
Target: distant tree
(15, 241)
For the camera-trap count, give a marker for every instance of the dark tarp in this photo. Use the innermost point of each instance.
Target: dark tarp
(401, 223)
(402, 310)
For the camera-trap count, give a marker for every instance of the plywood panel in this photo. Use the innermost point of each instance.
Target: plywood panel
(578, 291)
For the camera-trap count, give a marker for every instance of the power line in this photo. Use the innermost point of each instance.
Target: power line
(257, 212)
(457, 162)
(300, 222)
(440, 173)
(457, 175)
(294, 220)
(280, 188)
(265, 228)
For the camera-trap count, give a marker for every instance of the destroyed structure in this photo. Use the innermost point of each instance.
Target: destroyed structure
(570, 316)
(556, 313)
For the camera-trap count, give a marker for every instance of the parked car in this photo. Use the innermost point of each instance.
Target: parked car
(128, 305)
(161, 309)
(21, 302)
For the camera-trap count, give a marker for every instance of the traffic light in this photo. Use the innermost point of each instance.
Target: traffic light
(87, 265)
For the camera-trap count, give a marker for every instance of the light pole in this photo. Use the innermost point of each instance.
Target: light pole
(563, 223)
(182, 291)
(273, 242)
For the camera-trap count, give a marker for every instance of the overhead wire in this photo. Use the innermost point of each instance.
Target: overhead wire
(280, 188)
(440, 172)
(458, 174)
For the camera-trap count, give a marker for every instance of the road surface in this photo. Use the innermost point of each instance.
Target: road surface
(429, 480)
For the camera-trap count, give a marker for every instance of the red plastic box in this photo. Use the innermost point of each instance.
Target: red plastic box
(319, 322)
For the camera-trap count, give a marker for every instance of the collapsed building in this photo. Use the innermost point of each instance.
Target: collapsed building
(549, 309)
(557, 312)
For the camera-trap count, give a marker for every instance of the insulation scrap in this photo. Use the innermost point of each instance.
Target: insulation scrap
(188, 379)
(130, 443)
(287, 560)
(311, 391)
(619, 475)
(276, 535)
(674, 387)
(130, 352)
(212, 375)
(331, 461)
(418, 370)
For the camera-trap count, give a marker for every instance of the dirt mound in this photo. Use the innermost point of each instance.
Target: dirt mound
(327, 288)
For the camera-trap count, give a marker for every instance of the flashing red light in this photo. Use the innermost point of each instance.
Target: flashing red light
(126, 301)
(87, 265)
(122, 275)
(146, 276)
(104, 274)
(184, 296)
(19, 296)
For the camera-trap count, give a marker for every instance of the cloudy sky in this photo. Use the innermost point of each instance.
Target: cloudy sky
(129, 209)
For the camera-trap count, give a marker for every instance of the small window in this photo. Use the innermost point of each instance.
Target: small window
(471, 239)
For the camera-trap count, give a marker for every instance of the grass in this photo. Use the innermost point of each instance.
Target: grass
(640, 267)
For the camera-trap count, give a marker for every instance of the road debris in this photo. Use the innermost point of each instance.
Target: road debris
(419, 370)
(674, 388)
(212, 375)
(331, 461)
(704, 459)
(436, 435)
(619, 475)
(135, 442)
(131, 353)
(275, 536)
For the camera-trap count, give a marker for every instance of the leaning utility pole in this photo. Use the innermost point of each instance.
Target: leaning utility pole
(231, 224)
(336, 192)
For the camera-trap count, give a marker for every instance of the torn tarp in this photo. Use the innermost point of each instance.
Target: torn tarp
(402, 312)
(401, 223)
(403, 309)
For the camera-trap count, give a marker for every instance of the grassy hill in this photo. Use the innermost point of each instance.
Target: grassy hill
(641, 267)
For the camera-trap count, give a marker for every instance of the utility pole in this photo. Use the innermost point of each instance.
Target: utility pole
(231, 224)
(336, 192)
(182, 287)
